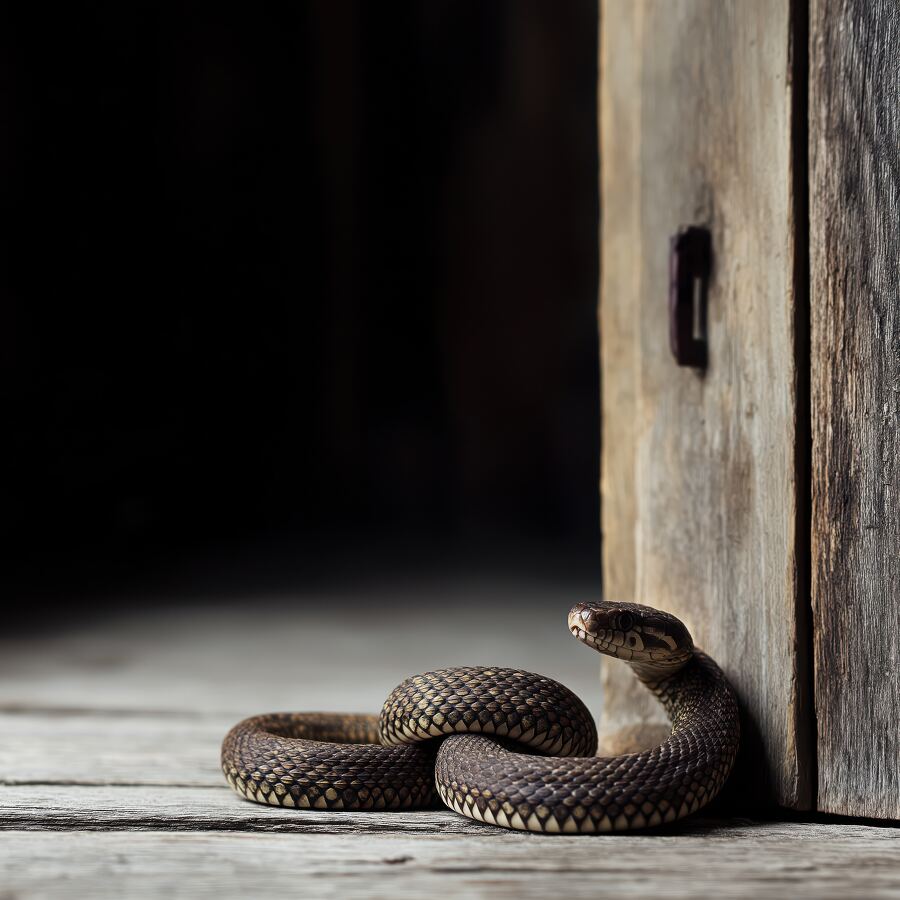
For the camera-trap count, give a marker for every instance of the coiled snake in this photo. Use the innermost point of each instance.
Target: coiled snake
(334, 761)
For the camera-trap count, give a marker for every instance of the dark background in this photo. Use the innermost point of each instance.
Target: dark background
(304, 284)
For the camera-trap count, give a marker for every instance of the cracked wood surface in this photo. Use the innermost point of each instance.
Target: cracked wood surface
(855, 313)
(738, 858)
(702, 503)
(99, 797)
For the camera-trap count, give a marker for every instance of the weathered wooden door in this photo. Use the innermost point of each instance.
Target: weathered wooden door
(757, 497)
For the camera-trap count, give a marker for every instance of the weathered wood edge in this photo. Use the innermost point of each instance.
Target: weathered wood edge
(627, 707)
(855, 328)
(618, 100)
(60, 807)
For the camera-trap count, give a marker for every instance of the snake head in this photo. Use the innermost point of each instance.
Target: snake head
(638, 634)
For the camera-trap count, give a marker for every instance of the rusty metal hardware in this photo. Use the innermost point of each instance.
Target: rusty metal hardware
(690, 257)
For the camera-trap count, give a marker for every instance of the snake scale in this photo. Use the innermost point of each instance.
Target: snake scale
(516, 749)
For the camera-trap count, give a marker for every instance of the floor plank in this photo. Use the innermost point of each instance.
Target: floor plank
(341, 650)
(86, 747)
(731, 860)
(110, 782)
(64, 807)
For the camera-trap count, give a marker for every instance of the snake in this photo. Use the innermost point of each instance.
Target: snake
(508, 747)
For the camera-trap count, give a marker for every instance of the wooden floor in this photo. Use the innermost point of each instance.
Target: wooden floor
(110, 786)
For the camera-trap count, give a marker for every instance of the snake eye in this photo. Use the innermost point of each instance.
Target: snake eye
(624, 622)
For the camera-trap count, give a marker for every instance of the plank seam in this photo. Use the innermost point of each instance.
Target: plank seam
(805, 712)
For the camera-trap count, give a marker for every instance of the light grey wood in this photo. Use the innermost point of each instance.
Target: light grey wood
(706, 101)
(619, 98)
(728, 860)
(88, 747)
(855, 351)
(65, 807)
(119, 801)
(339, 649)
(631, 718)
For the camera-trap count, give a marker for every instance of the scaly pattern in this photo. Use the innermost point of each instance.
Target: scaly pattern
(462, 732)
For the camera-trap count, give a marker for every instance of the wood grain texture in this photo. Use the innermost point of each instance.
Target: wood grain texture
(66, 807)
(698, 130)
(112, 801)
(855, 350)
(329, 649)
(722, 859)
(96, 747)
(619, 98)
(628, 709)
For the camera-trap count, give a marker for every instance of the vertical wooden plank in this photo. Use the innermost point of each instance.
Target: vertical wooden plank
(620, 106)
(855, 353)
(631, 718)
(713, 456)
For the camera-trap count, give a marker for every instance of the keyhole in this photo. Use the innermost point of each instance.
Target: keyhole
(697, 310)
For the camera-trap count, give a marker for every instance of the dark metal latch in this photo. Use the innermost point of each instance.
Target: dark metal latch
(690, 253)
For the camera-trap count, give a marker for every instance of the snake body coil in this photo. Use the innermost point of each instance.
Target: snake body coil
(486, 717)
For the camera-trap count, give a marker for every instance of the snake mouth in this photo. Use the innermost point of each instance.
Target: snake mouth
(601, 642)
(581, 618)
(590, 639)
